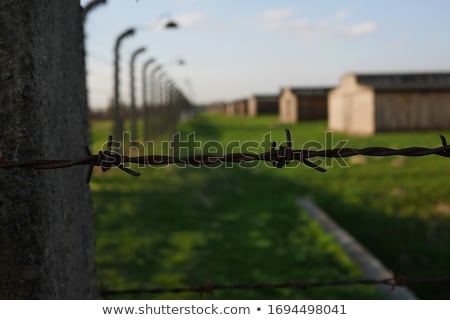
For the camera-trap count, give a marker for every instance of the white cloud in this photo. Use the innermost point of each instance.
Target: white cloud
(273, 19)
(362, 28)
(272, 25)
(271, 15)
(300, 26)
(189, 19)
(341, 14)
(286, 20)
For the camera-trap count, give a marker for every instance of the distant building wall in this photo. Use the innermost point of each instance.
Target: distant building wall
(361, 115)
(240, 108)
(261, 105)
(338, 110)
(216, 108)
(412, 110)
(229, 109)
(389, 103)
(237, 107)
(298, 104)
(252, 107)
(288, 107)
(351, 107)
(312, 107)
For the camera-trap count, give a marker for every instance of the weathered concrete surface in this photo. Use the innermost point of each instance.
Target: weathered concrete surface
(46, 218)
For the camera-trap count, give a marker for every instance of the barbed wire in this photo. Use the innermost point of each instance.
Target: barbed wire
(393, 282)
(278, 157)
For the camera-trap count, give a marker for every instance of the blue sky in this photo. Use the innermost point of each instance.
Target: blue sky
(234, 49)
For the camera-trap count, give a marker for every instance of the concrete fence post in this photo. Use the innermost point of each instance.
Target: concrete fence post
(46, 217)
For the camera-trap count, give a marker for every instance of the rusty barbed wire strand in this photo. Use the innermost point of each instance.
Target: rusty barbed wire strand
(278, 157)
(393, 282)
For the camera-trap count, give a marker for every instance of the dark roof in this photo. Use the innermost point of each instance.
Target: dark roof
(265, 96)
(241, 100)
(406, 81)
(310, 91)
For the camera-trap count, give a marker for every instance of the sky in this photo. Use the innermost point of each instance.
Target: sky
(234, 49)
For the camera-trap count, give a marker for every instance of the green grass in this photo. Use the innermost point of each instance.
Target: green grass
(181, 227)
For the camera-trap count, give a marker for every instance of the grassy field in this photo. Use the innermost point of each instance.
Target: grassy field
(177, 227)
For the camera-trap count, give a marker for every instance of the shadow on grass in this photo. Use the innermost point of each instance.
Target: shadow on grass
(208, 128)
(403, 243)
(187, 227)
(203, 125)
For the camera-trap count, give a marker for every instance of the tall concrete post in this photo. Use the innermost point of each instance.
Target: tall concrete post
(133, 110)
(118, 117)
(46, 216)
(162, 104)
(154, 103)
(145, 104)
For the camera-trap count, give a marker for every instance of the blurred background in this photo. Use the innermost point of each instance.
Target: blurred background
(233, 50)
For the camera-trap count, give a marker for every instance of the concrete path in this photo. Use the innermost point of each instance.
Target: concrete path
(371, 267)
